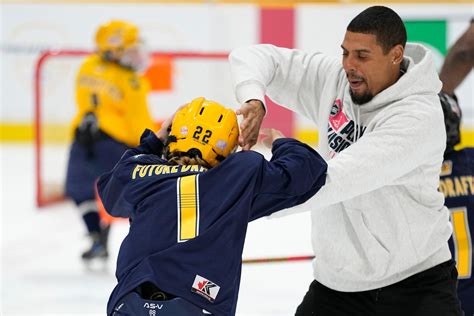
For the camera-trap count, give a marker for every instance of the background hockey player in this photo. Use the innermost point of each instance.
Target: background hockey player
(189, 212)
(457, 173)
(112, 112)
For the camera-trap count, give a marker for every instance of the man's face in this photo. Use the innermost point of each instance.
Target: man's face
(368, 69)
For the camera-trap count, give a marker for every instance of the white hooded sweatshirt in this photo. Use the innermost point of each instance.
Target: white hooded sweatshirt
(380, 218)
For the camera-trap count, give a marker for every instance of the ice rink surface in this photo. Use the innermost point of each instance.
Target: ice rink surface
(42, 274)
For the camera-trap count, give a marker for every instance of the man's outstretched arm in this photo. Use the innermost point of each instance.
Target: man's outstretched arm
(459, 61)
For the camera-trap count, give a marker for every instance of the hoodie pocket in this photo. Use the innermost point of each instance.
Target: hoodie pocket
(373, 253)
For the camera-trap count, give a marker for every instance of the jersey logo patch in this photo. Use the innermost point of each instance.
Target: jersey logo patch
(205, 288)
(446, 168)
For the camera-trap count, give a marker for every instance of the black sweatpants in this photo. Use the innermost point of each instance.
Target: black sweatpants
(428, 293)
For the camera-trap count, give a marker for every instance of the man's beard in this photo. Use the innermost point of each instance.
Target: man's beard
(360, 99)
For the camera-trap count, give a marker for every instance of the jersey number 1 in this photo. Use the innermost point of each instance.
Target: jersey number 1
(188, 207)
(462, 242)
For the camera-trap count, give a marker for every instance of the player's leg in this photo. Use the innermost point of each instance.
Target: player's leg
(86, 164)
(428, 293)
(107, 153)
(323, 301)
(96, 232)
(80, 187)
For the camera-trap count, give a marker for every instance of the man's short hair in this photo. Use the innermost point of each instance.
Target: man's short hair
(382, 22)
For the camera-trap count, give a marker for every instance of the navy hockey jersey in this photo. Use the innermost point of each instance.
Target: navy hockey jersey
(457, 184)
(188, 224)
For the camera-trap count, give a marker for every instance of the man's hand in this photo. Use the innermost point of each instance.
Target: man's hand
(269, 135)
(253, 112)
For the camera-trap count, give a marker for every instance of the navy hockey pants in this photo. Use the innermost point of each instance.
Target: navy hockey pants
(133, 305)
(87, 164)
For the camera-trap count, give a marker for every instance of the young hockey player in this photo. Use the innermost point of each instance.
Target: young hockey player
(189, 211)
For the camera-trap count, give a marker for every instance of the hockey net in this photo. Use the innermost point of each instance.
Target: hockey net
(177, 78)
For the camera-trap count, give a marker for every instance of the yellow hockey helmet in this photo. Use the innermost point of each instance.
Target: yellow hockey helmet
(115, 36)
(204, 128)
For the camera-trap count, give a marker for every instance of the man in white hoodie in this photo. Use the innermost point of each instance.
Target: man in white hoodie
(379, 225)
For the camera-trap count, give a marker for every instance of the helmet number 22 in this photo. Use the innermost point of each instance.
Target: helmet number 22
(198, 132)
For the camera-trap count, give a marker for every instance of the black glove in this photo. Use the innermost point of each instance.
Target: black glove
(88, 132)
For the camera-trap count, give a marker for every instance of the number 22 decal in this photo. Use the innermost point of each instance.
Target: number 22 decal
(462, 242)
(198, 132)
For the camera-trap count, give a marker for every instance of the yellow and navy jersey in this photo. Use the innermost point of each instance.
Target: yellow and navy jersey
(457, 185)
(188, 224)
(118, 98)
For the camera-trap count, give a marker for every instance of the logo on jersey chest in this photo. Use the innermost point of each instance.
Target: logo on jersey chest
(205, 288)
(446, 168)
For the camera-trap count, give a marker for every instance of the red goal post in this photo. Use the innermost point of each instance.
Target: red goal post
(194, 74)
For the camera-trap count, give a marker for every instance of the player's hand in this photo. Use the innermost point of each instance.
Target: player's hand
(269, 135)
(165, 129)
(253, 113)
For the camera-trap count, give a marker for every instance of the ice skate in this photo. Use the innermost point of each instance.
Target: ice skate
(98, 249)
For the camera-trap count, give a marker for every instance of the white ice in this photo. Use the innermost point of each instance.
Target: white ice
(42, 274)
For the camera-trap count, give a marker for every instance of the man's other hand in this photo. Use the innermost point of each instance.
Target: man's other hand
(253, 112)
